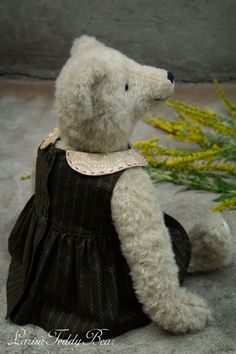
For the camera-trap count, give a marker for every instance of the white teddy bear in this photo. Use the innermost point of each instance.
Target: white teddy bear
(100, 96)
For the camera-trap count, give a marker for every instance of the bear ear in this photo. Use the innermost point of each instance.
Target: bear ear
(84, 42)
(75, 92)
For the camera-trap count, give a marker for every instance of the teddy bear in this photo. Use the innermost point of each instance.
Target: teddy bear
(92, 252)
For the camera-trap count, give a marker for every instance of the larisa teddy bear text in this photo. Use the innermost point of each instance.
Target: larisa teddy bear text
(92, 248)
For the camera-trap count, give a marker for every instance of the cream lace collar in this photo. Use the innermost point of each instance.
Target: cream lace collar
(95, 164)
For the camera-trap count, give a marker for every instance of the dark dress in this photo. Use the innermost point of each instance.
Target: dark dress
(67, 270)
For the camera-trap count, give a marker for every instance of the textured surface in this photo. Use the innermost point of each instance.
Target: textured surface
(194, 39)
(27, 115)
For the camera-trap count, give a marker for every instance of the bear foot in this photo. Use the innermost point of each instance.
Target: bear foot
(212, 244)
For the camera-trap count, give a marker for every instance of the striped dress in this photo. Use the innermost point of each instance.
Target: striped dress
(67, 270)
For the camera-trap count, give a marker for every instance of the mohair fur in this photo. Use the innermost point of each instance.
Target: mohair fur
(146, 244)
(212, 244)
(97, 114)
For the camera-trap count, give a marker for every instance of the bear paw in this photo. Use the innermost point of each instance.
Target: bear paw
(190, 314)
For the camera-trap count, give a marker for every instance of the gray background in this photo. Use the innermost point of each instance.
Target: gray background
(193, 38)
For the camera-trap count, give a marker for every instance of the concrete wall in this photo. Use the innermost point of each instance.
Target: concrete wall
(193, 38)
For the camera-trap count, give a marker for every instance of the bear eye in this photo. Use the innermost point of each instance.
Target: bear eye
(126, 87)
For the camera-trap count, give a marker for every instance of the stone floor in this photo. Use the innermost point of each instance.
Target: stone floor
(26, 115)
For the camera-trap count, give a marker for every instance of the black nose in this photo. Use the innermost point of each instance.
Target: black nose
(170, 76)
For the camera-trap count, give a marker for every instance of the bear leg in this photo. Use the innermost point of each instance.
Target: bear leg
(212, 244)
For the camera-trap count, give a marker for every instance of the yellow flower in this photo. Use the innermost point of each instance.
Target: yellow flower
(204, 118)
(180, 130)
(229, 168)
(190, 168)
(225, 204)
(24, 177)
(207, 155)
(228, 105)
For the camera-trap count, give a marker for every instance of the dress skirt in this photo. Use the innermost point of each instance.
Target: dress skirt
(76, 283)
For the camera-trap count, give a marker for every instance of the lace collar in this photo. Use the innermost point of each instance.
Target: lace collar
(95, 164)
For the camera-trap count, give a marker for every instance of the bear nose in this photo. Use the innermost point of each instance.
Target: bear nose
(170, 76)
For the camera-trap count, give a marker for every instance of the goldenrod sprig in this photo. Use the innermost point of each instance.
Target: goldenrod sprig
(210, 164)
(228, 105)
(202, 117)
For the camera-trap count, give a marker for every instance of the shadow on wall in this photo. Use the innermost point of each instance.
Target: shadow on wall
(193, 39)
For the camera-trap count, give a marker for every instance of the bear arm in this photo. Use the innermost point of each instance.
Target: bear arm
(145, 242)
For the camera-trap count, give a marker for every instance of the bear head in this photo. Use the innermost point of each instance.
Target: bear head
(101, 94)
